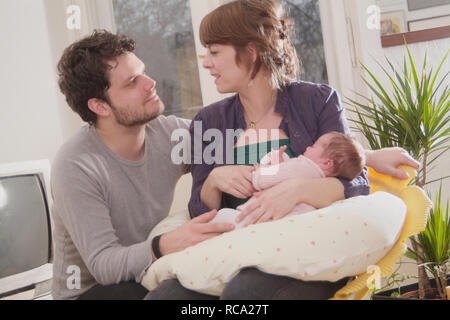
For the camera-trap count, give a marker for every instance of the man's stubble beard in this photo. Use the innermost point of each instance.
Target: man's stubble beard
(132, 119)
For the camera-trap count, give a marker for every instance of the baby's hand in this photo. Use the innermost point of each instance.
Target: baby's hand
(274, 157)
(278, 156)
(281, 153)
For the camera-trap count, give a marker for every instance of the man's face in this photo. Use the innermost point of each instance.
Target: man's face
(132, 94)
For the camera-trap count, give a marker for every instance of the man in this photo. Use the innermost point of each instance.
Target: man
(114, 180)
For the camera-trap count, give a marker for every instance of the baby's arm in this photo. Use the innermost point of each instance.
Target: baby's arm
(282, 156)
(275, 157)
(266, 177)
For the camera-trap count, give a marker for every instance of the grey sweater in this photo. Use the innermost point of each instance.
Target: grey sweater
(104, 207)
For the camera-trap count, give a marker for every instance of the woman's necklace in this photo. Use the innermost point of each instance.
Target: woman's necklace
(252, 123)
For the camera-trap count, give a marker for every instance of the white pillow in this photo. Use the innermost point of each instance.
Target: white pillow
(341, 240)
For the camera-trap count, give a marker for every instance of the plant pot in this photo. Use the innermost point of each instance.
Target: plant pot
(409, 292)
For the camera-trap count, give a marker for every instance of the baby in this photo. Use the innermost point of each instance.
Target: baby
(332, 155)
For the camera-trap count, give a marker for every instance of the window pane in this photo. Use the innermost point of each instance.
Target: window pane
(308, 38)
(165, 43)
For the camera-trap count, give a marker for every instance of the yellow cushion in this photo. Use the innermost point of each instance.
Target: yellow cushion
(418, 205)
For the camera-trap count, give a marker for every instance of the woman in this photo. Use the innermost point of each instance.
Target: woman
(249, 53)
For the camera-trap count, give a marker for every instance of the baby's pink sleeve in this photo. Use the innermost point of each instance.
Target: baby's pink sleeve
(266, 177)
(273, 158)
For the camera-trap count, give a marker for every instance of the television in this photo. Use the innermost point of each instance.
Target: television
(25, 226)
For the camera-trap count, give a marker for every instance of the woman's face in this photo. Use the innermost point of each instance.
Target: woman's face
(220, 60)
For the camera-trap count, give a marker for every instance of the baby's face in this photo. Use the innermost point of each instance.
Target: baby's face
(315, 151)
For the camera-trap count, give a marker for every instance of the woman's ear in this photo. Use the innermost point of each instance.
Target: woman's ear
(252, 51)
(99, 107)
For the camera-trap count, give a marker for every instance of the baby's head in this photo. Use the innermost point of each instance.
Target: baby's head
(337, 155)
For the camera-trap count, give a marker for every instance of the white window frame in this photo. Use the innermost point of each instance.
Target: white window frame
(339, 45)
(347, 42)
(199, 9)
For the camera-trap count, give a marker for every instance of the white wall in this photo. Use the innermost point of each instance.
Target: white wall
(34, 118)
(29, 119)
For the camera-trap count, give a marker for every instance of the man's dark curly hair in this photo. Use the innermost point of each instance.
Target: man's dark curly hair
(83, 69)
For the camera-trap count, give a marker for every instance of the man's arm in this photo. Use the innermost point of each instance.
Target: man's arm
(79, 202)
(387, 160)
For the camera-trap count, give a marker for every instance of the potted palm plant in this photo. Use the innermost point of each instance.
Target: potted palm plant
(412, 112)
(434, 242)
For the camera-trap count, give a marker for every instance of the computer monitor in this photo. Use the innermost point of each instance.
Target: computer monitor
(25, 226)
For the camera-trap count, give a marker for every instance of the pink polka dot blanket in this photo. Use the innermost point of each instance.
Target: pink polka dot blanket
(342, 240)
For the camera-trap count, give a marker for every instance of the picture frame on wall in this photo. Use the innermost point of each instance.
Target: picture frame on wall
(393, 22)
(421, 4)
(429, 23)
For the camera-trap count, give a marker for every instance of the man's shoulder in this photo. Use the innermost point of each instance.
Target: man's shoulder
(165, 125)
(76, 149)
(76, 143)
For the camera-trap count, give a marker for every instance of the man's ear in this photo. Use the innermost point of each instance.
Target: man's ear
(99, 107)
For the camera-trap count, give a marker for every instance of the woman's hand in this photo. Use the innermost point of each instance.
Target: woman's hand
(387, 160)
(234, 180)
(276, 202)
(273, 203)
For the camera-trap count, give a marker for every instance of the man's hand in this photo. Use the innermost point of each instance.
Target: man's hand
(197, 230)
(387, 160)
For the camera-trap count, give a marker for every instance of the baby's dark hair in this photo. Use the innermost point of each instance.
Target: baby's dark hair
(347, 154)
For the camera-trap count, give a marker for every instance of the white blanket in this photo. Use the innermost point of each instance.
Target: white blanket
(341, 240)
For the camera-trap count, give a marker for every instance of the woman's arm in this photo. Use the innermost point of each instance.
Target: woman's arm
(276, 202)
(210, 195)
(235, 180)
(209, 180)
(199, 169)
(331, 117)
(331, 189)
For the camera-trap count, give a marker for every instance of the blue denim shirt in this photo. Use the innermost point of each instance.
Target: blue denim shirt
(309, 110)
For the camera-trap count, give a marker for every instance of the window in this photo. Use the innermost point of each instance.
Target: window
(164, 34)
(308, 38)
(165, 43)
